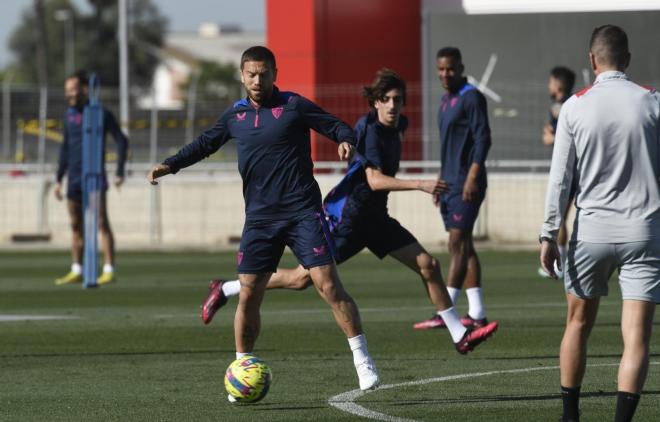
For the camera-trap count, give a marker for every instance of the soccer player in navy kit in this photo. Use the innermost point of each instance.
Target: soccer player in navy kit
(282, 199)
(70, 164)
(363, 220)
(465, 138)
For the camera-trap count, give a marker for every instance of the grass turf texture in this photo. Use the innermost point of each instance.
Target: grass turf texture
(138, 351)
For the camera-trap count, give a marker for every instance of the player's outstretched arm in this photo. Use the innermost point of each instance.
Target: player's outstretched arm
(381, 182)
(159, 170)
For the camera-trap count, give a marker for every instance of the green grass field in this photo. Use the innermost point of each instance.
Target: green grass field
(138, 351)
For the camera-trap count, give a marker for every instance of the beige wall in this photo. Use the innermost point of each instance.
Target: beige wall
(208, 211)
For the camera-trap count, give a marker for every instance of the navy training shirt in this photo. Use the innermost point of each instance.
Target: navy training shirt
(70, 161)
(274, 152)
(381, 147)
(464, 134)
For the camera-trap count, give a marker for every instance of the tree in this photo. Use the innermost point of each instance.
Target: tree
(217, 80)
(96, 47)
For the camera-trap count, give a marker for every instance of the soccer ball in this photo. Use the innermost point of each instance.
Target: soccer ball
(247, 379)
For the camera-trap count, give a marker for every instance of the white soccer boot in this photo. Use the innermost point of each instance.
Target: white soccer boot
(368, 375)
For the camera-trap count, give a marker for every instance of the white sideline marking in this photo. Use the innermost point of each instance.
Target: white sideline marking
(345, 401)
(14, 318)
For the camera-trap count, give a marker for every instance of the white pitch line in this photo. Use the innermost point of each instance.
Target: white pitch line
(15, 318)
(346, 401)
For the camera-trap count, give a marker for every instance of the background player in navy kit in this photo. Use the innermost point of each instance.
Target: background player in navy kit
(70, 163)
(560, 88)
(465, 138)
(282, 199)
(364, 220)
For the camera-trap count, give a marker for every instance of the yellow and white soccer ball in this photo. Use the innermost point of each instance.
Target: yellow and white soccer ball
(247, 379)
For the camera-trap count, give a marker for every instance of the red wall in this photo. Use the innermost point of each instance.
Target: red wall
(328, 49)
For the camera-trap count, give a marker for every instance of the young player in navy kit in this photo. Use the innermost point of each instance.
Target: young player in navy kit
(282, 199)
(362, 219)
(70, 164)
(465, 141)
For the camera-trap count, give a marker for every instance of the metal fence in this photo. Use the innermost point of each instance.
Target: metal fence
(516, 126)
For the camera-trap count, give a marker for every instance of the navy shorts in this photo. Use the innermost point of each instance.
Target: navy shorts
(381, 234)
(263, 242)
(74, 190)
(458, 214)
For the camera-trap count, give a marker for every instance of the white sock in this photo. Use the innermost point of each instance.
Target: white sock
(358, 346)
(453, 322)
(76, 268)
(241, 354)
(475, 303)
(231, 288)
(454, 294)
(108, 268)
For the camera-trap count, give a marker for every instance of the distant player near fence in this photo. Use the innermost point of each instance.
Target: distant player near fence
(71, 166)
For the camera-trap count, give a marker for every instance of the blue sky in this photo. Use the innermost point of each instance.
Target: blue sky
(184, 15)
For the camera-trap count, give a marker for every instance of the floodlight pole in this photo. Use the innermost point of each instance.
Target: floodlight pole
(122, 30)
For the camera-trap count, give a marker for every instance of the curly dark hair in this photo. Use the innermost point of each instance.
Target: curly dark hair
(386, 80)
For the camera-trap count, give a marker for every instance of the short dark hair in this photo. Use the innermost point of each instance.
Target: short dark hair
(565, 76)
(258, 53)
(452, 52)
(81, 75)
(386, 80)
(609, 44)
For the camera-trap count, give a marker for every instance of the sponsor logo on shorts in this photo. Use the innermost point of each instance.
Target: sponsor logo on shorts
(320, 251)
(457, 217)
(239, 257)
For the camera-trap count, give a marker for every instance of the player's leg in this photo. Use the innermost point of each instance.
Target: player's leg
(589, 266)
(327, 283)
(247, 320)
(415, 257)
(639, 278)
(346, 313)
(311, 242)
(636, 327)
(465, 271)
(107, 243)
(580, 318)
(74, 208)
(221, 290)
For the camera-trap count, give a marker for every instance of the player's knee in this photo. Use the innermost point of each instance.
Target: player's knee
(429, 267)
(456, 244)
(330, 291)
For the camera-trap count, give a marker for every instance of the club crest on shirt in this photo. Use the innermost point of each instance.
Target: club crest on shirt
(277, 112)
(75, 118)
(241, 116)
